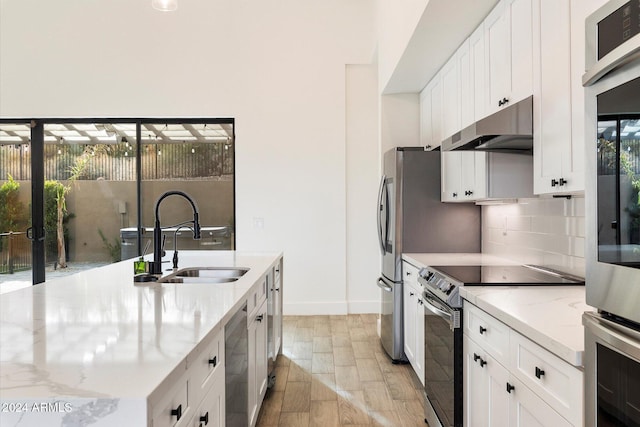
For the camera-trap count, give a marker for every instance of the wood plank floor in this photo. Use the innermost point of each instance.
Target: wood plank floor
(333, 371)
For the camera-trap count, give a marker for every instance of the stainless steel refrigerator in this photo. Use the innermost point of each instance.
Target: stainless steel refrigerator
(412, 219)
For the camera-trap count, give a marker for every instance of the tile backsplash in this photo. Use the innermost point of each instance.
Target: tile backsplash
(548, 232)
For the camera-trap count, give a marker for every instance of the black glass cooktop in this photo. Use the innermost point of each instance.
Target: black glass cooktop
(505, 275)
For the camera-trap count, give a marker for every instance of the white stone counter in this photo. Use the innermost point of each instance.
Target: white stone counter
(95, 340)
(551, 316)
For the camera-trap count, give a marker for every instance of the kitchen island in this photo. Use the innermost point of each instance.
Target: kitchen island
(95, 348)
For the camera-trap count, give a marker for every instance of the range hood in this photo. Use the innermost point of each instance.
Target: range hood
(509, 129)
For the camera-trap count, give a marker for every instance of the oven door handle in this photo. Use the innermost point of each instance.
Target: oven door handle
(429, 305)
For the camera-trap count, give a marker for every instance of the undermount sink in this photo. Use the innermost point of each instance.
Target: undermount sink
(213, 272)
(176, 279)
(205, 275)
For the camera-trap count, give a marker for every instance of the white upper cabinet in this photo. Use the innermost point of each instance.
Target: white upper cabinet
(450, 97)
(508, 54)
(458, 91)
(469, 176)
(479, 88)
(431, 114)
(559, 96)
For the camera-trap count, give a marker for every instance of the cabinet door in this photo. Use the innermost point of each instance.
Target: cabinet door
(473, 178)
(211, 412)
(485, 381)
(528, 410)
(477, 53)
(431, 114)
(426, 127)
(262, 351)
(450, 162)
(257, 367)
(552, 99)
(498, 56)
(450, 97)
(409, 306)
(277, 310)
(419, 353)
(465, 78)
(521, 49)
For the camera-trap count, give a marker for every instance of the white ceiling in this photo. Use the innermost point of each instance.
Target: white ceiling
(444, 25)
(111, 133)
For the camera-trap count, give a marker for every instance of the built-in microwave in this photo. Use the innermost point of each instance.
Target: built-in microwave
(612, 201)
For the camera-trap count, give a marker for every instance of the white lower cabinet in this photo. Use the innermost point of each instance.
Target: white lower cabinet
(529, 386)
(257, 326)
(211, 412)
(413, 318)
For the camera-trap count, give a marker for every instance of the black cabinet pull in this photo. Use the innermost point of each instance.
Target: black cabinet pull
(482, 362)
(468, 193)
(503, 101)
(482, 330)
(539, 373)
(260, 317)
(562, 182)
(213, 361)
(554, 182)
(476, 357)
(411, 294)
(510, 388)
(420, 301)
(177, 412)
(204, 419)
(455, 194)
(277, 289)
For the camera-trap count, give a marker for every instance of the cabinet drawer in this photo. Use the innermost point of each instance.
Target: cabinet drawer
(490, 333)
(205, 366)
(258, 294)
(410, 274)
(173, 409)
(554, 380)
(211, 412)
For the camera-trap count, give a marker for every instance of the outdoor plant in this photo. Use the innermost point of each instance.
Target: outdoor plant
(13, 215)
(114, 248)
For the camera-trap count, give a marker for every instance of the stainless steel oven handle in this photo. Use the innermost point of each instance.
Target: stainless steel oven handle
(617, 336)
(382, 285)
(429, 305)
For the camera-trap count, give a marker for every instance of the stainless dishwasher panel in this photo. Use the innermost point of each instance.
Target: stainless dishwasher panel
(236, 343)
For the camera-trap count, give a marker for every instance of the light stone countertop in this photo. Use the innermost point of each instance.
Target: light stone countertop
(551, 316)
(95, 334)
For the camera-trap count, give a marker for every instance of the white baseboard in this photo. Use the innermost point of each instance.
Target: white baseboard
(304, 308)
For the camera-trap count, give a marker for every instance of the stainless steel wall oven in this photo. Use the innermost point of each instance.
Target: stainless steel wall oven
(612, 199)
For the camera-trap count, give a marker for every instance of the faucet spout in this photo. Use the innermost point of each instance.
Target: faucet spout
(157, 230)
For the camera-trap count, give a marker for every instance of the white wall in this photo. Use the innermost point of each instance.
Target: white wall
(276, 66)
(544, 231)
(363, 266)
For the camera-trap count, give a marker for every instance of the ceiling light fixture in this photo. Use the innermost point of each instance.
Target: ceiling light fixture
(165, 5)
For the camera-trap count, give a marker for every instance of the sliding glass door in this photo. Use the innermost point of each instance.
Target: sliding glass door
(95, 186)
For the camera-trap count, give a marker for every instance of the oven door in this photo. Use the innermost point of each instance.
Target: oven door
(612, 373)
(613, 196)
(443, 363)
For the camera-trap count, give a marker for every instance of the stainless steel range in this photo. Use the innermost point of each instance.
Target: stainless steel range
(443, 327)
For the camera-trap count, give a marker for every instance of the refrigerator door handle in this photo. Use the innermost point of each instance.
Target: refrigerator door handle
(382, 285)
(381, 209)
